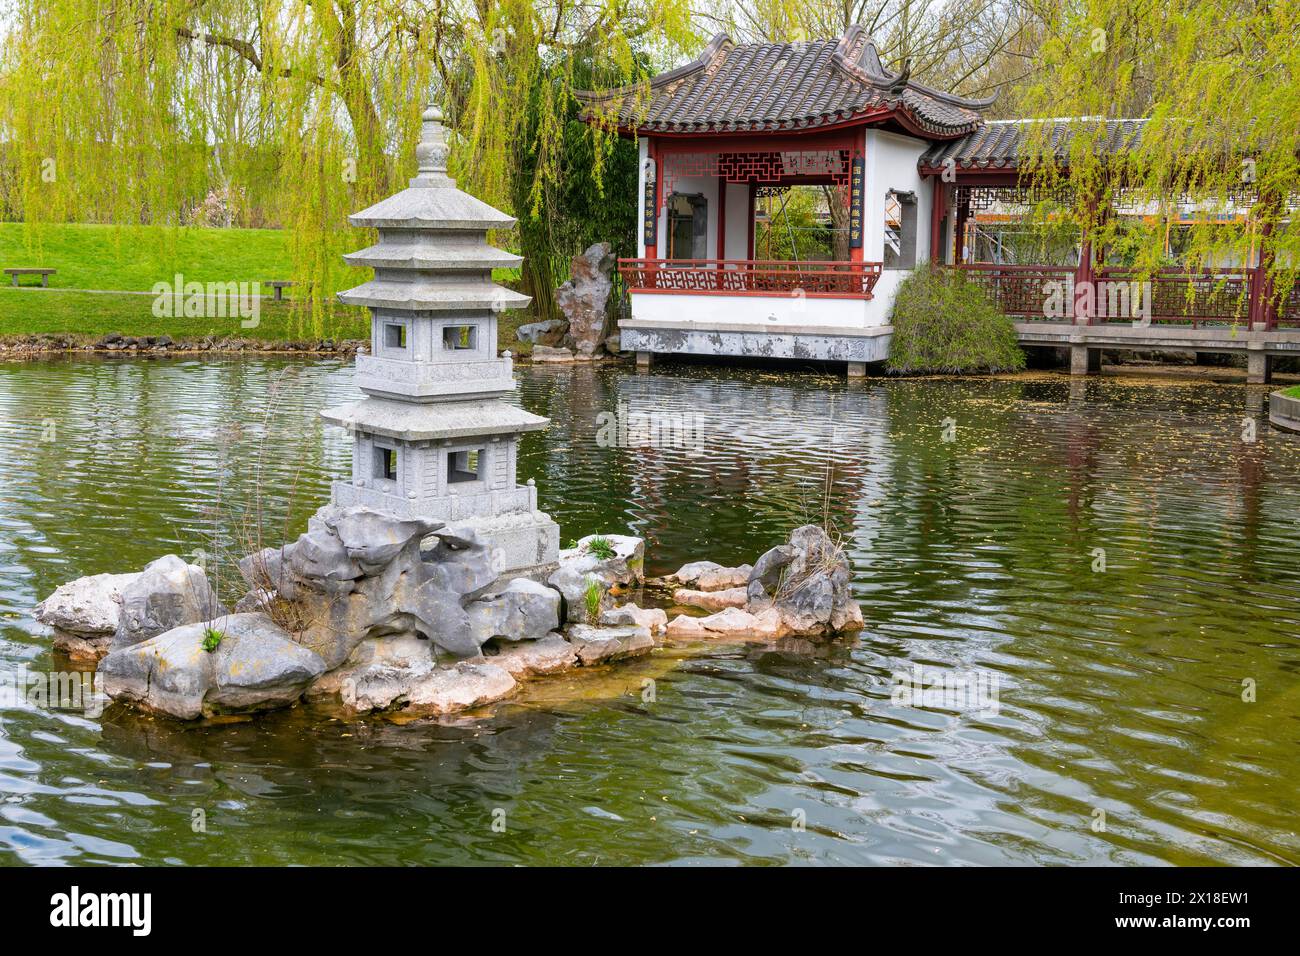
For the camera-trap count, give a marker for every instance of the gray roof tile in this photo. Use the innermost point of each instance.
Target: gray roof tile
(783, 86)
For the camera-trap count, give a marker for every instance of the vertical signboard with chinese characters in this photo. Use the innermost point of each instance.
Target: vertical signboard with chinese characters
(650, 212)
(856, 184)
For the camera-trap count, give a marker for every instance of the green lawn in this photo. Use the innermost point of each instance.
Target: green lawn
(88, 317)
(135, 257)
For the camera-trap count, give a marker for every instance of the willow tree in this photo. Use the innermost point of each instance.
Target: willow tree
(1216, 83)
(520, 145)
(135, 111)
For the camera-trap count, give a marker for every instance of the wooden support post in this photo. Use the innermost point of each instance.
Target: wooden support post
(938, 204)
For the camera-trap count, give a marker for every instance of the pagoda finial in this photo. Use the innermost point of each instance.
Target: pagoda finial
(431, 153)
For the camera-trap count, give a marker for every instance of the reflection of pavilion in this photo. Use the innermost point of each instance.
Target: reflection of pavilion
(764, 462)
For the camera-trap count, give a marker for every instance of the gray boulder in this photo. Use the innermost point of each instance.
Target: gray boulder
(806, 581)
(256, 666)
(599, 645)
(550, 655)
(711, 576)
(580, 568)
(167, 594)
(584, 299)
(541, 333)
(358, 575)
(89, 607)
(523, 611)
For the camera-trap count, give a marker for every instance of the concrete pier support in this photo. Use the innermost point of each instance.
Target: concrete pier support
(643, 359)
(1259, 367)
(857, 369)
(1084, 360)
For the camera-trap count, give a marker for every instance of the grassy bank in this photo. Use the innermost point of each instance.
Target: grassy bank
(88, 317)
(126, 259)
(135, 257)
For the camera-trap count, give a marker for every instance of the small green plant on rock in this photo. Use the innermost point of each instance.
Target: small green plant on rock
(591, 597)
(601, 547)
(212, 639)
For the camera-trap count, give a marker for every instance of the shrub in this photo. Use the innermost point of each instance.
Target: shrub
(945, 323)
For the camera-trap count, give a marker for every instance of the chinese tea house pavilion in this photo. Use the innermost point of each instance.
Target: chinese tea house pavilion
(718, 134)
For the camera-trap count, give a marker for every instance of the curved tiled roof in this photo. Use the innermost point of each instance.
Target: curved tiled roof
(996, 145)
(784, 86)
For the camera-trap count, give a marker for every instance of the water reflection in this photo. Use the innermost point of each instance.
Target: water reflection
(973, 513)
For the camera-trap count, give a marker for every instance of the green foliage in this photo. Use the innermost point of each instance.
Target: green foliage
(1217, 82)
(944, 323)
(600, 546)
(793, 228)
(591, 598)
(135, 257)
(212, 639)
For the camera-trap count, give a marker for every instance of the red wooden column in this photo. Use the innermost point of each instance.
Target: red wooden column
(721, 249)
(938, 208)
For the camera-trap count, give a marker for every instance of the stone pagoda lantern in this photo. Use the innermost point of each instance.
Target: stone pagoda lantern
(434, 437)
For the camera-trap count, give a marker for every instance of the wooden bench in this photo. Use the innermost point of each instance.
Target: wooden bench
(43, 273)
(279, 285)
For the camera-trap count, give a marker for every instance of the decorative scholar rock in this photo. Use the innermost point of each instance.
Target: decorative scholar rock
(807, 582)
(85, 614)
(434, 437)
(256, 666)
(358, 574)
(584, 299)
(166, 594)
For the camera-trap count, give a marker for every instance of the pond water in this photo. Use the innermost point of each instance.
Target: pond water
(978, 516)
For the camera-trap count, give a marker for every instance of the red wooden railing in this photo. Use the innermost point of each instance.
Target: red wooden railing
(840, 280)
(1026, 292)
(1169, 296)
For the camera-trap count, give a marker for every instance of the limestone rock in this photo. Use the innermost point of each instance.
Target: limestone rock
(584, 299)
(806, 581)
(523, 611)
(580, 565)
(550, 655)
(732, 622)
(544, 353)
(86, 607)
(468, 684)
(712, 600)
(257, 666)
(167, 594)
(598, 645)
(711, 576)
(614, 344)
(653, 619)
(541, 333)
(358, 574)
